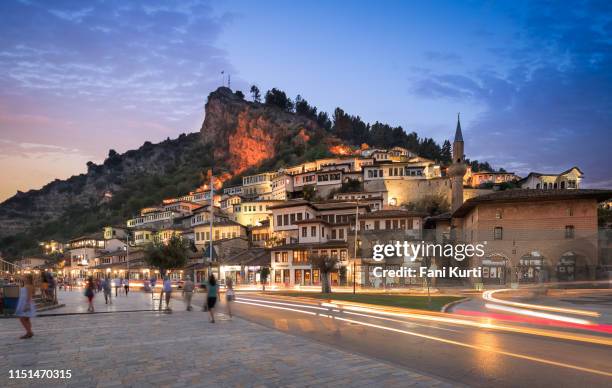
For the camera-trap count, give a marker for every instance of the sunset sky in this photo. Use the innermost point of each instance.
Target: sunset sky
(532, 80)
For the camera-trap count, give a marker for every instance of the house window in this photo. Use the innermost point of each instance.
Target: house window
(285, 257)
(292, 218)
(498, 233)
(387, 224)
(322, 231)
(286, 219)
(498, 214)
(569, 231)
(341, 234)
(333, 234)
(570, 211)
(376, 225)
(313, 231)
(279, 220)
(304, 231)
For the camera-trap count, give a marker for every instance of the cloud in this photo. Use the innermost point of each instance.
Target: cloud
(106, 74)
(552, 107)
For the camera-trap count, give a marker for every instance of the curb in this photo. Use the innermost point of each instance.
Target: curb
(447, 306)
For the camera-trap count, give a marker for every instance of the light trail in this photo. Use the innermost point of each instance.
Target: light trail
(479, 347)
(444, 340)
(449, 319)
(284, 304)
(488, 295)
(554, 317)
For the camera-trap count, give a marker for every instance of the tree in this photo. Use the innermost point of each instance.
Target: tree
(304, 109)
(263, 276)
(446, 154)
(167, 256)
(255, 93)
(276, 97)
(326, 265)
(239, 94)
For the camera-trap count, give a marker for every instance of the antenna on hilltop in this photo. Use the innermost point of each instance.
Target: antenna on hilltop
(228, 81)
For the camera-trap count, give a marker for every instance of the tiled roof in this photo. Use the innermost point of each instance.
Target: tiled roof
(306, 246)
(393, 213)
(311, 221)
(532, 195)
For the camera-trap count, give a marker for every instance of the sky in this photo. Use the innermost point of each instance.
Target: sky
(531, 79)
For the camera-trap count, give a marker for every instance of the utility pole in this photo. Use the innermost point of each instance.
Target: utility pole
(127, 254)
(212, 217)
(355, 254)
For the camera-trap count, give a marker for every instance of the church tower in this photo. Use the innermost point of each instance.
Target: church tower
(457, 169)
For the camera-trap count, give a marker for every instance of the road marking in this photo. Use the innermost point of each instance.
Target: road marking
(305, 325)
(281, 324)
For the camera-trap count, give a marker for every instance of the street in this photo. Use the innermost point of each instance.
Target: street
(475, 356)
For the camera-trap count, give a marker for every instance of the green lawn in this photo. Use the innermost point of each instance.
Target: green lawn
(393, 300)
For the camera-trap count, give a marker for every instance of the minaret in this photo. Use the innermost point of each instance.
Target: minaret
(457, 169)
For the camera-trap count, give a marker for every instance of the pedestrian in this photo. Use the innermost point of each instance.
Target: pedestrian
(121, 282)
(26, 309)
(44, 287)
(89, 293)
(126, 285)
(229, 295)
(188, 292)
(116, 284)
(212, 293)
(167, 288)
(108, 292)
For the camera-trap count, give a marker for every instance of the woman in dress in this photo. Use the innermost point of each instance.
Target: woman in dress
(26, 308)
(89, 293)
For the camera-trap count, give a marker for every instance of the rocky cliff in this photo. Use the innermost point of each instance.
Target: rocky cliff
(245, 134)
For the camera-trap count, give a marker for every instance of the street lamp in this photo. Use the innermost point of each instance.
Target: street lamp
(355, 254)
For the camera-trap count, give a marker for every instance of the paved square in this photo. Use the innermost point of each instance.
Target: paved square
(181, 349)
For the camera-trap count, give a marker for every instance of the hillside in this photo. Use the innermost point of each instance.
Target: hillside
(237, 137)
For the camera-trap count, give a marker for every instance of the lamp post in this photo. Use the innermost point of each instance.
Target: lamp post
(355, 251)
(127, 254)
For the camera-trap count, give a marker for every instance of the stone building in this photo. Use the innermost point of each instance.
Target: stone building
(533, 235)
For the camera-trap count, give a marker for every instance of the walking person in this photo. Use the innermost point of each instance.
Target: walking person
(212, 294)
(121, 283)
(44, 287)
(108, 292)
(188, 292)
(89, 293)
(26, 309)
(126, 286)
(116, 284)
(167, 287)
(229, 295)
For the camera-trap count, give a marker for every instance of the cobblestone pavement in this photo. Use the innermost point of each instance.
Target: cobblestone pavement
(180, 349)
